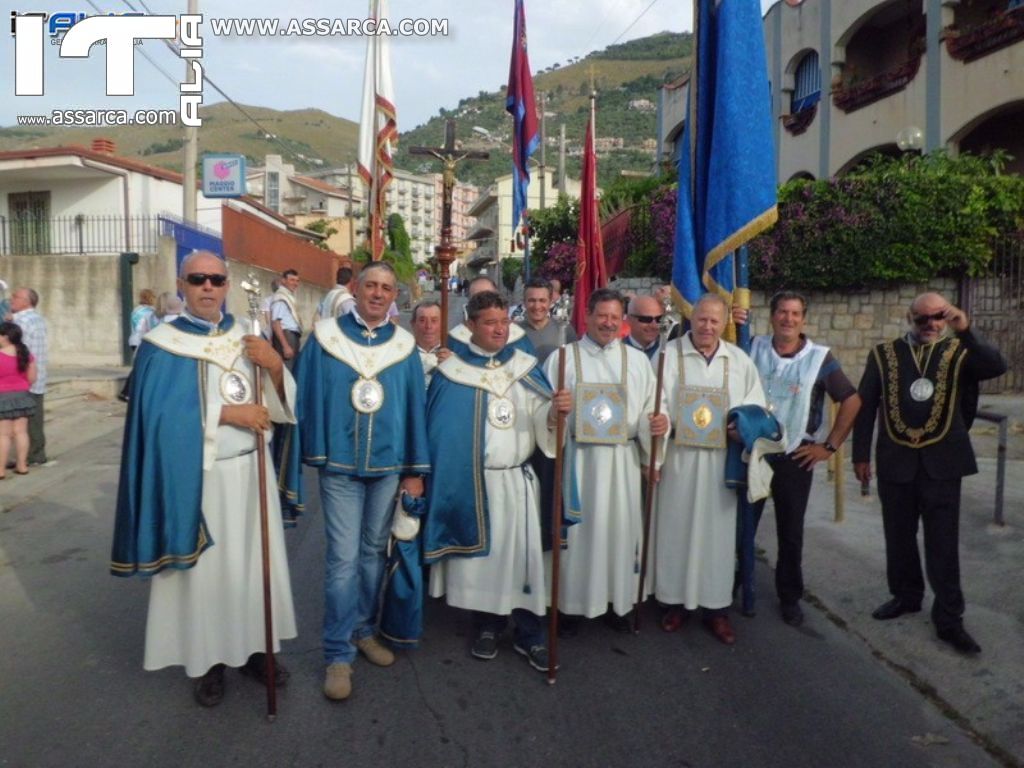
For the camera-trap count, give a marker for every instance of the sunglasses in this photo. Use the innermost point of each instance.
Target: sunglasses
(646, 319)
(925, 319)
(200, 278)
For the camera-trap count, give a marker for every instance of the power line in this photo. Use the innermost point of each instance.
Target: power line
(633, 23)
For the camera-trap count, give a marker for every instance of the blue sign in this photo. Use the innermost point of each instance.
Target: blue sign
(223, 175)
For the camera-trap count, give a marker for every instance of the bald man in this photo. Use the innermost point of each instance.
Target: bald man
(644, 316)
(925, 386)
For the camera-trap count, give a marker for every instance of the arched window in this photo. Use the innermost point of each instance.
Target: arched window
(808, 84)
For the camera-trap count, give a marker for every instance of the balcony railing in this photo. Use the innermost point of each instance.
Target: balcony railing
(851, 97)
(77, 234)
(1004, 29)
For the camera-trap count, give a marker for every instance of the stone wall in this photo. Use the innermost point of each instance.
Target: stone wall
(850, 322)
(80, 297)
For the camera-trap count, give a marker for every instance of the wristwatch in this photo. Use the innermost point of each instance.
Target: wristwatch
(829, 447)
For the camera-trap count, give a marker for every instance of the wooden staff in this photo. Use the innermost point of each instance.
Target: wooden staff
(561, 315)
(252, 289)
(667, 322)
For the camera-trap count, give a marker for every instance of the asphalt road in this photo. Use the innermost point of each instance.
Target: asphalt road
(73, 692)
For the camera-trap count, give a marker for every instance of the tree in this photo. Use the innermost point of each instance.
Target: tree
(322, 227)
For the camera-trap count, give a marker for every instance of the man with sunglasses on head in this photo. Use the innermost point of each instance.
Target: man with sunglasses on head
(188, 497)
(924, 388)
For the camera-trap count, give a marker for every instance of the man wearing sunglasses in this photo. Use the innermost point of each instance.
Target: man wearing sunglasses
(188, 498)
(924, 388)
(644, 329)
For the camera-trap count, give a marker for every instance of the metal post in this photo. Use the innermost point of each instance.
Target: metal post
(191, 147)
(125, 268)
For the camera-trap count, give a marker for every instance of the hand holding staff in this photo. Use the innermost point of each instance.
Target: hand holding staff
(667, 322)
(252, 288)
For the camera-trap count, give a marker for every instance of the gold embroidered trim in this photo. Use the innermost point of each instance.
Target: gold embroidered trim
(944, 398)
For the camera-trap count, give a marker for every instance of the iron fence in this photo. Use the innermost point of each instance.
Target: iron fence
(995, 302)
(29, 234)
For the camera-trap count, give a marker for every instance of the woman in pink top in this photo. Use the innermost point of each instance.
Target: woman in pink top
(17, 372)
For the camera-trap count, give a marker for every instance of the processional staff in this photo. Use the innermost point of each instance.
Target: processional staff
(666, 323)
(450, 156)
(561, 313)
(251, 286)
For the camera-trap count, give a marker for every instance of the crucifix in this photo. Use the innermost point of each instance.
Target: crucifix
(451, 157)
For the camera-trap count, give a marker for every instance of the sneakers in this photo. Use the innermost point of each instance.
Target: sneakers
(209, 689)
(375, 652)
(485, 646)
(537, 655)
(338, 681)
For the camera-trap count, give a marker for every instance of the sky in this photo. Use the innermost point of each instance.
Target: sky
(326, 72)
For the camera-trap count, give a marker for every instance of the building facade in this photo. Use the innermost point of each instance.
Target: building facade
(850, 76)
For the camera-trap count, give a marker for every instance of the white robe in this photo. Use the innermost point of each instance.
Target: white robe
(602, 562)
(694, 548)
(512, 575)
(212, 613)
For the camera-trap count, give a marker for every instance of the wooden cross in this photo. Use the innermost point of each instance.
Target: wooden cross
(451, 157)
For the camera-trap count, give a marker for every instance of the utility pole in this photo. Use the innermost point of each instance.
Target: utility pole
(561, 159)
(191, 146)
(543, 148)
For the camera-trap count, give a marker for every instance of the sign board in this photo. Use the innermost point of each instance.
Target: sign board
(223, 175)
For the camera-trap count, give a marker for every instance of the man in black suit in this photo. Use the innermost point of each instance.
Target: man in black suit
(925, 387)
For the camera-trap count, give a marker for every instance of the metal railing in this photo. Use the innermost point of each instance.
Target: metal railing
(80, 234)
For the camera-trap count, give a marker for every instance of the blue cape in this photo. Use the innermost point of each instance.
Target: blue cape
(457, 521)
(332, 435)
(159, 520)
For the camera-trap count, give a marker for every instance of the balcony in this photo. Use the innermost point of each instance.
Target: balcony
(966, 45)
(797, 123)
(29, 234)
(853, 96)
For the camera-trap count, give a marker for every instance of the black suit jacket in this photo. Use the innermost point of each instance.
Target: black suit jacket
(949, 458)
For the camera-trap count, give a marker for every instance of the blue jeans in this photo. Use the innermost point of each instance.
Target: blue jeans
(357, 516)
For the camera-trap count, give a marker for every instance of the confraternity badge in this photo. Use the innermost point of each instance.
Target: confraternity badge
(367, 395)
(702, 417)
(235, 388)
(922, 389)
(601, 412)
(501, 413)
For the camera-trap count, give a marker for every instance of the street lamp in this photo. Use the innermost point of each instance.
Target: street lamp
(910, 139)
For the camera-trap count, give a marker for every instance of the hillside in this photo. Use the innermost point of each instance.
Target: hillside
(621, 74)
(312, 133)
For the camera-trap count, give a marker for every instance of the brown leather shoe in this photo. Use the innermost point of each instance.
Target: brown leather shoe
(209, 689)
(722, 629)
(256, 668)
(674, 618)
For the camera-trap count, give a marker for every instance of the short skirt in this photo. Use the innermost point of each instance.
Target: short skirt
(14, 405)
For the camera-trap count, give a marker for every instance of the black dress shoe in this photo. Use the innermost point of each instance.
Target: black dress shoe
(209, 689)
(568, 626)
(894, 608)
(957, 637)
(622, 624)
(256, 668)
(792, 614)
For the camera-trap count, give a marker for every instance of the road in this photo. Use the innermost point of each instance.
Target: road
(73, 692)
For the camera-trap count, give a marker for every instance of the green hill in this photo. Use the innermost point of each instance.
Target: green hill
(621, 74)
(311, 133)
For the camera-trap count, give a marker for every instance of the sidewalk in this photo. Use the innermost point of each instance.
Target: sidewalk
(844, 565)
(844, 571)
